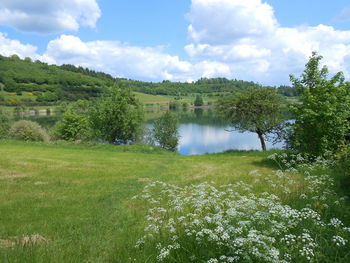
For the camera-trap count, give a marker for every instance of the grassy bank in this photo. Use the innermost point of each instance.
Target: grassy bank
(78, 197)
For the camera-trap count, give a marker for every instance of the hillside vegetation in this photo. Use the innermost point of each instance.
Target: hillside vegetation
(24, 82)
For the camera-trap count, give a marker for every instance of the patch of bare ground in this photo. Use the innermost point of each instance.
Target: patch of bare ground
(9, 174)
(34, 239)
(6, 243)
(40, 183)
(143, 179)
(205, 169)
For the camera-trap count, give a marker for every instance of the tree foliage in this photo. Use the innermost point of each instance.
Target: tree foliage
(117, 116)
(72, 126)
(165, 131)
(203, 85)
(322, 117)
(258, 110)
(4, 125)
(198, 101)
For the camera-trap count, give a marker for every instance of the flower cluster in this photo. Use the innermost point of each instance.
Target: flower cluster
(294, 161)
(240, 223)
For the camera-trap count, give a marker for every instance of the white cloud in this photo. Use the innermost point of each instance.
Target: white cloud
(124, 60)
(117, 58)
(217, 21)
(10, 47)
(245, 35)
(48, 16)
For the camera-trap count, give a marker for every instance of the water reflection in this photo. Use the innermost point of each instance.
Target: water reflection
(199, 139)
(202, 131)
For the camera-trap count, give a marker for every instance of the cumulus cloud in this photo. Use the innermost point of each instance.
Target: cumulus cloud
(116, 58)
(246, 36)
(43, 16)
(124, 60)
(10, 47)
(215, 21)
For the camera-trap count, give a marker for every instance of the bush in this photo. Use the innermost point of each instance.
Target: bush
(322, 118)
(72, 127)
(28, 131)
(4, 125)
(198, 101)
(165, 131)
(174, 105)
(117, 117)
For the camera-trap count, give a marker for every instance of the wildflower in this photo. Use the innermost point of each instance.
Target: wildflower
(339, 241)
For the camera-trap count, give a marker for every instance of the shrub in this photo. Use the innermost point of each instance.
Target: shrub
(198, 101)
(4, 125)
(184, 105)
(28, 131)
(322, 118)
(72, 127)
(174, 105)
(165, 131)
(117, 117)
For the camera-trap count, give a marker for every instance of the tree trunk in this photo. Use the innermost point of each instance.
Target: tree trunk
(262, 141)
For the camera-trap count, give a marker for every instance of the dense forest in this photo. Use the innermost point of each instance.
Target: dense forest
(23, 81)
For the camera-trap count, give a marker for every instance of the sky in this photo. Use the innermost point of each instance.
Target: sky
(182, 40)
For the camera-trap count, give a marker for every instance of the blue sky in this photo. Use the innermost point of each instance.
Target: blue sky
(181, 40)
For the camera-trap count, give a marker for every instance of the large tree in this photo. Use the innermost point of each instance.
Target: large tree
(321, 118)
(258, 110)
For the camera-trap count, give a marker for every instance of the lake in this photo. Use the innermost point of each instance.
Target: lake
(201, 131)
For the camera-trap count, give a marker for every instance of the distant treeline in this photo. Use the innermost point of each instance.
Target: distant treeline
(204, 85)
(51, 83)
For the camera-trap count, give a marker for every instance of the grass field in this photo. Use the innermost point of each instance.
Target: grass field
(152, 99)
(78, 197)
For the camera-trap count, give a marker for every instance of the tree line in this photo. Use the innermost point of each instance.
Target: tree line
(50, 84)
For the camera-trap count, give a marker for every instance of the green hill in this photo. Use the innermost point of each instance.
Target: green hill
(24, 82)
(37, 82)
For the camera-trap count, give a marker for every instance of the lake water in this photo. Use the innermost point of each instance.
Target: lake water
(199, 139)
(201, 131)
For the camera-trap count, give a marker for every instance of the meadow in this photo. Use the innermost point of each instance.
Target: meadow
(66, 202)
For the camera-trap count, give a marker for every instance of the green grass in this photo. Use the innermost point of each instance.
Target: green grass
(79, 196)
(159, 99)
(152, 99)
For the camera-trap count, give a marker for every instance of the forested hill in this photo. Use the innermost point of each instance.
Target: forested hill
(49, 82)
(43, 83)
(200, 86)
